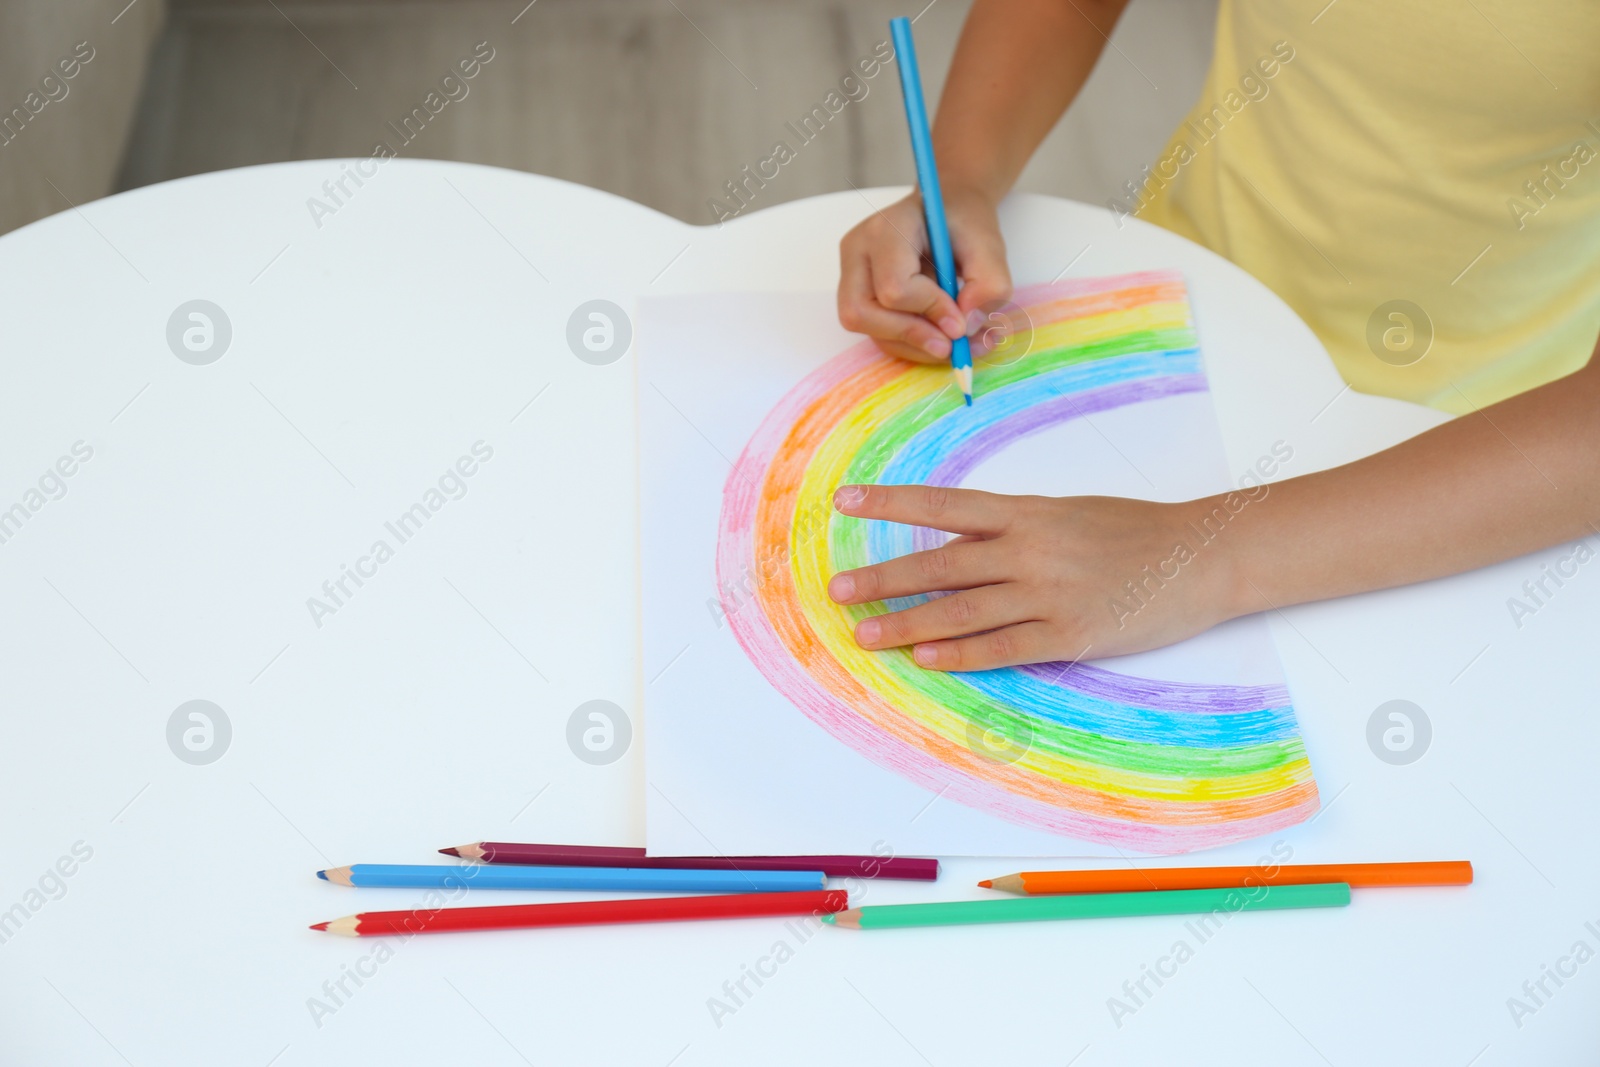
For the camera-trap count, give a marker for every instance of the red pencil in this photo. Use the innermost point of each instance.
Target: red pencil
(588, 913)
(900, 867)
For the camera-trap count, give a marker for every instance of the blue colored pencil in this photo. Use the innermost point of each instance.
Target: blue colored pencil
(944, 259)
(512, 876)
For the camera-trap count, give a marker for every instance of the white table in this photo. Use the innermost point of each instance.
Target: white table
(368, 355)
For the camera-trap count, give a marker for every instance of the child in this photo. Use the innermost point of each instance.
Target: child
(1446, 155)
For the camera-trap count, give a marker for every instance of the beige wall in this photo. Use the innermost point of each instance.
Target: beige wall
(62, 138)
(629, 96)
(653, 101)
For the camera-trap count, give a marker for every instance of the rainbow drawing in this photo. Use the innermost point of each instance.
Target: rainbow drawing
(1153, 765)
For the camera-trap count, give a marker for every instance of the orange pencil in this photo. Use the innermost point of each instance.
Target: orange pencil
(1136, 880)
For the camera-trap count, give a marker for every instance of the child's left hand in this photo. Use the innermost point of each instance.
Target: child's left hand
(1034, 578)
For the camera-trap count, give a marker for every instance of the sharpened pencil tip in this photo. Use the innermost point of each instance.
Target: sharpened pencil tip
(323, 875)
(827, 917)
(450, 851)
(969, 399)
(319, 926)
(986, 884)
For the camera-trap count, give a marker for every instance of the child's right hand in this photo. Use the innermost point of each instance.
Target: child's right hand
(886, 285)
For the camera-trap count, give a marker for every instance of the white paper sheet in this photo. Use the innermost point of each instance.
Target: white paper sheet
(732, 765)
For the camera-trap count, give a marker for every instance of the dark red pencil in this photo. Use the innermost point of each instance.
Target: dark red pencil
(588, 913)
(899, 867)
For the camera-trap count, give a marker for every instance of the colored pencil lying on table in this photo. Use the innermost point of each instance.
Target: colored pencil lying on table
(587, 913)
(899, 867)
(1093, 906)
(450, 876)
(1357, 875)
(944, 260)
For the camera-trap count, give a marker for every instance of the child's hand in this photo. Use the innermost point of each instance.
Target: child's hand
(1039, 578)
(886, 285)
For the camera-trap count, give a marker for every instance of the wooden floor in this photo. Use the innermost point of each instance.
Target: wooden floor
(660, 101)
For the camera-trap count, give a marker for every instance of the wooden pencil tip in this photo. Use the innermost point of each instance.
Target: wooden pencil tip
(827, 917)
(336, 875)
(346, 926)
(1009, 883)
(450, 851)
(986, 884)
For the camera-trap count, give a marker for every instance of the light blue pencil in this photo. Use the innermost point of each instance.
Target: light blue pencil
(944, 259)
(512, 876)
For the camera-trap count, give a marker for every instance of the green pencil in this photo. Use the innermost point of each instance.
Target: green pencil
(1094, 906)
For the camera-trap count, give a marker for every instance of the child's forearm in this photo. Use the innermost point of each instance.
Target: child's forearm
(1018, 65)
(1515, 477)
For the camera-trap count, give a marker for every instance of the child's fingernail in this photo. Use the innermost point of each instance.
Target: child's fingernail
(842, 588)
(937, 346)
(953, 326)
(868, 631)
(849, 497)
(925, 655)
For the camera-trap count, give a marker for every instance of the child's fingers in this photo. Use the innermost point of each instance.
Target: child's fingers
(963, 511)
(957, 615)
(911, 291)
(901, 350)
(935, 570)
(985, 275)
(1026, 642)
(894, 331)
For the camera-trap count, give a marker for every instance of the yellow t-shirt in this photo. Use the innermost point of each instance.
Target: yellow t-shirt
(1419, 180)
